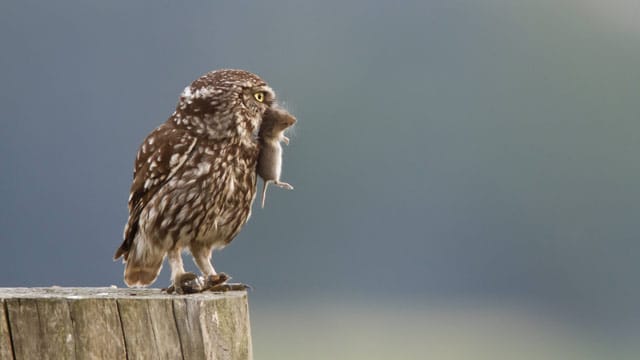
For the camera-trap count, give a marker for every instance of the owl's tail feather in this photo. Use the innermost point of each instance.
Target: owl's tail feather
(141, 274)
(123, 250)
(142, 270)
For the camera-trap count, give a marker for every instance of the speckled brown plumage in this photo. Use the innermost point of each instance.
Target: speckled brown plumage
(194, 177)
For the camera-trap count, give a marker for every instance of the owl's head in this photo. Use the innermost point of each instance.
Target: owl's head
(225, 103)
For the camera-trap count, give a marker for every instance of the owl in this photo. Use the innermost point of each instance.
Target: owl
(194, 179)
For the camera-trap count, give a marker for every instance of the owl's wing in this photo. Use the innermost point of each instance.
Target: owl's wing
(160, 156)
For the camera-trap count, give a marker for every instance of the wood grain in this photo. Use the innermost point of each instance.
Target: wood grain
(111, 323)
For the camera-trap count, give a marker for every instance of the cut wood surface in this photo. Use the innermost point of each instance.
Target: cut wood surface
(116, 323)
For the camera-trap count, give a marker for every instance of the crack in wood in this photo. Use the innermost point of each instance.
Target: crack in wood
(153, 326)
(124, 339)
(175, 320)
(6, 318)
(72, 320)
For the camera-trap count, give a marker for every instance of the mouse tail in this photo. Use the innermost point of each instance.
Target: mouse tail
(265, 183)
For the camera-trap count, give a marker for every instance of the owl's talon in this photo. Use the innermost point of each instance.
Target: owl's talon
(214, 280)
(187, 283)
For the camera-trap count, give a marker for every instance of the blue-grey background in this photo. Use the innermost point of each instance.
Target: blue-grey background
(462, 168)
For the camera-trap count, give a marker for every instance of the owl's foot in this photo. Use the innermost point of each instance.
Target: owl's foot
(187, 283)
(215, 280)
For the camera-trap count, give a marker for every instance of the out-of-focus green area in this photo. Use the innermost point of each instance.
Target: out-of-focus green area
(396, 330)
(473, 152)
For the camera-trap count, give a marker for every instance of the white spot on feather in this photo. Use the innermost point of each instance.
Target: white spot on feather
(202, 93)
(174, 160)
(232, 184)
(182, 214)
(203, 168)
(163, 203)
(187, 92)
(152, 214)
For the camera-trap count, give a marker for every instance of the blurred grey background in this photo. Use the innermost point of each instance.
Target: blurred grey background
(466, 172)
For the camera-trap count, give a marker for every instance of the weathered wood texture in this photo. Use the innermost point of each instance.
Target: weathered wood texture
(112, 323)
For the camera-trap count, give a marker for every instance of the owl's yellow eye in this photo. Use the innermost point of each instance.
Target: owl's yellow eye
(259, 96)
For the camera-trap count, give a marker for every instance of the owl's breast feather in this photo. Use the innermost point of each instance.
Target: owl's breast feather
(230, 192)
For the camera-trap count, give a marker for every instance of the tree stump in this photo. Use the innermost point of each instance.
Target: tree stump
(113, 323)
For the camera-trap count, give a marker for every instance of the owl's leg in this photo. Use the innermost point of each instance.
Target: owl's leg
(202, 258)
(182, 282)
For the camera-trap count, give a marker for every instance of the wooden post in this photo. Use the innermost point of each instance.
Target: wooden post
(113, 323)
